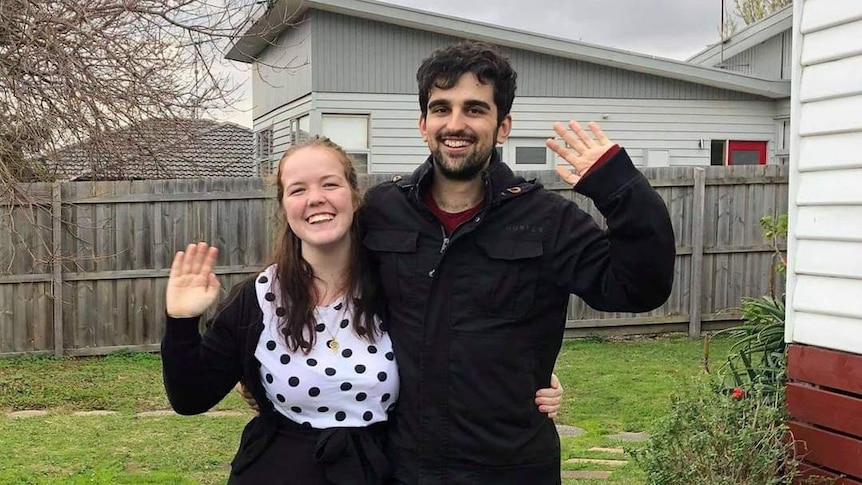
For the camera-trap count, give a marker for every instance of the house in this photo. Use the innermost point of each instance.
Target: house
(345, 69)
(762, 50)
(161, 149)
(824, 274)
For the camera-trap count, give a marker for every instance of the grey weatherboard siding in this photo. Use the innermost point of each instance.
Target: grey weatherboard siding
(353, 55)
(363, 66)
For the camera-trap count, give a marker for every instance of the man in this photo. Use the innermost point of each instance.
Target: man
(477, 266)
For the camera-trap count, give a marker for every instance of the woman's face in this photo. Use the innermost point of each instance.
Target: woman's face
(318, 202)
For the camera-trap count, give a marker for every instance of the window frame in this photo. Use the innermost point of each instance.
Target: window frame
(353, 151)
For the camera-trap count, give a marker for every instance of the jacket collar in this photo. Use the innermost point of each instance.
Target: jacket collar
(500, 182)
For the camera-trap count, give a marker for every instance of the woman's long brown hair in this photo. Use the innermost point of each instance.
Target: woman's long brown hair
(295, 280)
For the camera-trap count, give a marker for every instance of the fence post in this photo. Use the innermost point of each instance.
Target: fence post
(699, 202)
(57, 266)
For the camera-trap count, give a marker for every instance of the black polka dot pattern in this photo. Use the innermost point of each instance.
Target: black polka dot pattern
(321, 387)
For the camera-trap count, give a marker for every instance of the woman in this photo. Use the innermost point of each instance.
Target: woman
(303, 335)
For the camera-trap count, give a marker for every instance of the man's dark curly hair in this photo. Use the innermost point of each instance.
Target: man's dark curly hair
(445, 66)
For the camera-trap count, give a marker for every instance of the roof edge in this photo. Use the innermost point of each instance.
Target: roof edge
(519, 39)
(746, 38)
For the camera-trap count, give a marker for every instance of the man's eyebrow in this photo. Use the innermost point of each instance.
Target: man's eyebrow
(438, 102)
(474, 103)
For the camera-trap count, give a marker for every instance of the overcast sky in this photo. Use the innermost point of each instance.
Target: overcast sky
(675, 29)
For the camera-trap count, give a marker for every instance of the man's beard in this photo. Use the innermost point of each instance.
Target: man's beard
(474, 163)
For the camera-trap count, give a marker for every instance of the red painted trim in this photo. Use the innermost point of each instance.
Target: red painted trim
(807, 471)
(758, 146)
(825, 408)
(827, 368)
(831, 450)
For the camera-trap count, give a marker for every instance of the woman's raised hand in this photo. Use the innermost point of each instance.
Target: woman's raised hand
(192, 286)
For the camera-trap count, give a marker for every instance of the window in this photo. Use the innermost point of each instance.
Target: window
(782, 141)
(352, 133)
(526, 154)
(299, 129)
(263, 151)
(734, 152)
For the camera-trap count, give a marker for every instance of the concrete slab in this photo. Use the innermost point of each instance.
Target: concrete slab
(97, 412)
(627, 436)
(586, 474)
(27, 413)
(599, 449)
(596, 461)
(565, 430)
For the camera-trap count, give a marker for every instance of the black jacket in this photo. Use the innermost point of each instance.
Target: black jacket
(477, 319)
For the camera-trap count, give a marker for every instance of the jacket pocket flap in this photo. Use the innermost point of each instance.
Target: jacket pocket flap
(391, 241)
(510, 249)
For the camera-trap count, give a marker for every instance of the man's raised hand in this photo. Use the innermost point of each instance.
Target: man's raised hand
(580, 150)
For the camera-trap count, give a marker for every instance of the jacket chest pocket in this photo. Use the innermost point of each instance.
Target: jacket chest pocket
(506, 278)
(396, 252)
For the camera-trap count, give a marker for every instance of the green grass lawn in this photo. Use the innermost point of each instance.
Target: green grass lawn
(610, 387)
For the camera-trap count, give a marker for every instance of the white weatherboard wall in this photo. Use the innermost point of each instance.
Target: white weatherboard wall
(640, 125)
(824, 301)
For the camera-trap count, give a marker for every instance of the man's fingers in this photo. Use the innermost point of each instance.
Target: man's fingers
(582, 135)
(599, 134)
(572, 140)
(567, 176)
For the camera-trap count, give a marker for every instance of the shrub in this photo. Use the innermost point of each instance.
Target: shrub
(714, 438)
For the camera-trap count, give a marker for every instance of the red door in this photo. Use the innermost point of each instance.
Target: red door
(746, 152)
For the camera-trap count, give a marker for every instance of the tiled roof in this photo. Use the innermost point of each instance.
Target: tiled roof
(162, 149)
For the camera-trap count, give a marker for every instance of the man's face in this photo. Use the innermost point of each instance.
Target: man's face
(461, 128)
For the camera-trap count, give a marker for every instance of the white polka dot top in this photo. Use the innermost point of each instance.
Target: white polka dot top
(344, 380)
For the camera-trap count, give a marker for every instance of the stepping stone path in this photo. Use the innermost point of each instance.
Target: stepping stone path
(564, 430)
(35, 413)
(627, 436)
(95, 413)
(585, 474)
(30, 413)
(594, 474)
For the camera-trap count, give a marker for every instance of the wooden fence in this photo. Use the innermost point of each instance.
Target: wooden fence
(83, 265)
